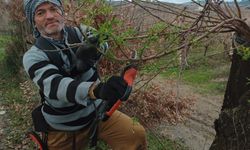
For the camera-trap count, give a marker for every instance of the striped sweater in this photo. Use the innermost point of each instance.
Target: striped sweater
(67, 105)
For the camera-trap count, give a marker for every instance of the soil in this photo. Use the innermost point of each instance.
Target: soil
(196, 131)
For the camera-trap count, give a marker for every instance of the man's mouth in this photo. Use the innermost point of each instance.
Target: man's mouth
(51, 23)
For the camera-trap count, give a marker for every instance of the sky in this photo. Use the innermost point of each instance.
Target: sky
(176, 1)
(183, 1)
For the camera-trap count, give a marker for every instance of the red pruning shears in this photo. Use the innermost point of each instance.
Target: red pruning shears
(37, 140)
(107, 108)
(129, 75)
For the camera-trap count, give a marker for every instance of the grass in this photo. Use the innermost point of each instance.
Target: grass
(206, 79)
(163, 143)
(207, 74)
(12, 100)
(4, 39)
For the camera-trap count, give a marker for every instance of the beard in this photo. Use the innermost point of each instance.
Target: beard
(52, 30)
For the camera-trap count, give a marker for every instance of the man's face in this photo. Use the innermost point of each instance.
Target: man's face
(49, 20)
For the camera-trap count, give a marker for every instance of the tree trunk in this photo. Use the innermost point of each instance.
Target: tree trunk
(233, 125)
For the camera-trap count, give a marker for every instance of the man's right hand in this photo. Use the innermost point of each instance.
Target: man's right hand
(112, 90)
(87, 55)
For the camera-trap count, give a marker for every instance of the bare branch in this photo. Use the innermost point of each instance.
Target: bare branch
(238, 8)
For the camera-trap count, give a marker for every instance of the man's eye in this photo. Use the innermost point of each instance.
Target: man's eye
(54, 9)
(40, 13)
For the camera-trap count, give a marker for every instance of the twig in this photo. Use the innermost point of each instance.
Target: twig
(228, 11)
(238, 8)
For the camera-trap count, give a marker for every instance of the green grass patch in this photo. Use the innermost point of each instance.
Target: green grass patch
(2, 53)
(11, 100)
(4, 39)
(18, 109)
(205, 79)
(9, 86)
(207, 74)
(163, 143)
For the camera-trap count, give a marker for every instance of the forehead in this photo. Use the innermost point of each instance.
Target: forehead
(45, 5)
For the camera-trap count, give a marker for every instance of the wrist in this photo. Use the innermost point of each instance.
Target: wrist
(91, 91)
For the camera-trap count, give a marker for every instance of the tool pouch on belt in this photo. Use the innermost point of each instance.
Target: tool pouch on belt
(40, 125)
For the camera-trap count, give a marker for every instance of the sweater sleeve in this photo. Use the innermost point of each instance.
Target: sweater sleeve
(50, 81)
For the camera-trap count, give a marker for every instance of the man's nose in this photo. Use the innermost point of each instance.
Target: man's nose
(49, 15)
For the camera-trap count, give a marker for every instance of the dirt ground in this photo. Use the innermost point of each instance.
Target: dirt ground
(197, 130)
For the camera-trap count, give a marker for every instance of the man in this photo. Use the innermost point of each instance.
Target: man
(70, 97)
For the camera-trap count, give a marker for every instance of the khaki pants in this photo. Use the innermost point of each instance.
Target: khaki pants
(120, 132)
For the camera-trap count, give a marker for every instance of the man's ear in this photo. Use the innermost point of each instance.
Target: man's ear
(36, 33)
(34, 24)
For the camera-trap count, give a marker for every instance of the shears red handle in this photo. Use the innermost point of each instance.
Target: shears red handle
(37, 140)
(129, 77)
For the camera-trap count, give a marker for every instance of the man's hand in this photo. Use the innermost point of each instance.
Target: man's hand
(87, 55)
(112, 90)
(93, 39)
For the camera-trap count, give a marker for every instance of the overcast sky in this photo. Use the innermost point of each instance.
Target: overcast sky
(183, 1)
(176, 1)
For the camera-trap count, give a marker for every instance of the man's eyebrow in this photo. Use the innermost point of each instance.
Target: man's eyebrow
(39, 9)
(42, 9)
